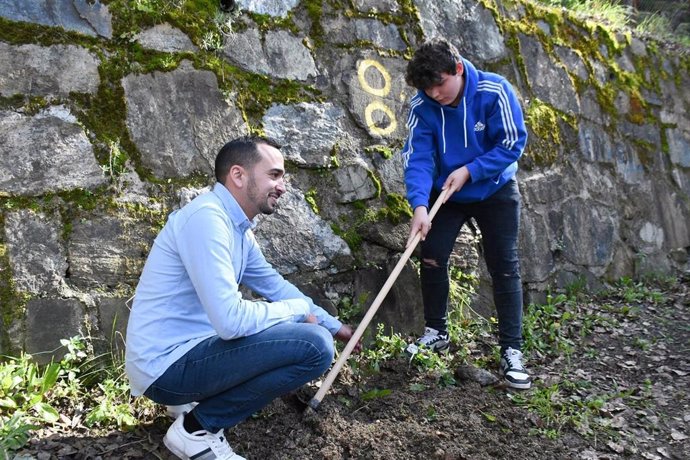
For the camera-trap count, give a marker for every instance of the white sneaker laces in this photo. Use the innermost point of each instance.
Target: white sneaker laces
(430, 336)
(514, 358)
(220, 446)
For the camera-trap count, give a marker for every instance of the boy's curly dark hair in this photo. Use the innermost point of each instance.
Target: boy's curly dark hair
(433, 58)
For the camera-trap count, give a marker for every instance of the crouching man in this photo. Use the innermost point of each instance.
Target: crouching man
(191, 336)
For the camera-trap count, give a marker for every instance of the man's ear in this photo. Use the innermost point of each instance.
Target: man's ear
(459, 69)
(236, 176)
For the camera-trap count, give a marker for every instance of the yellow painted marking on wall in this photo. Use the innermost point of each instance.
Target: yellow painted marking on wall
(371, 124)
(363, 67)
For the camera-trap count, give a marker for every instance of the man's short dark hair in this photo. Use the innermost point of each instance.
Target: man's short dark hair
(433, 58)
(242, 151)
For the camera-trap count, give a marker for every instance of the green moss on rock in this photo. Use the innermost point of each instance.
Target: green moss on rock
(543, 120)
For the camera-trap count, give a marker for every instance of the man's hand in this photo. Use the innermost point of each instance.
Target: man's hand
(420, 223)
(456, 181)
(311, 319)
(344, 335)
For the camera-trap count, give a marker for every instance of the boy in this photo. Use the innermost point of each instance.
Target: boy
(466, 133)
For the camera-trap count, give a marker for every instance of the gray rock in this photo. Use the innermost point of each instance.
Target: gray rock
(307, 132)
(186, 194)
(628, 165)
(113, 315)
(625, 62)
(354, 183)
(601, 72)
(461, 22)
(275, 8)
(381, 35)
(107, 251)
(572, 61)
(671, 214)
(281, 54)
(179, 120)
(166, 38)
(679, 146)
(595, 144)
(378, 95)
(45, 153)
(548, 188)
(295, 239)
(391, 172)
(537, 262)
(56, 70)
(377, 6)
(544, 27)
(36, 254)
(342, 30)
(588, 233)
(49, 320)
(549, 81)
(648, 132)
(288, 57)
(401, 310)
(638, 47)
(246, 50)
(590, 108)
(467, 372)
(83, 16)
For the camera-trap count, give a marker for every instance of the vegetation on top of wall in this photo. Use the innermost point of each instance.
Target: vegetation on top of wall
(595, 41)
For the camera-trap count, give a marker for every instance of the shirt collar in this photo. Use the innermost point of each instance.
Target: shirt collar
(233, 209)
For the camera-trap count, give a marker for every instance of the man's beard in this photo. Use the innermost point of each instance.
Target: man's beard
(261, 202)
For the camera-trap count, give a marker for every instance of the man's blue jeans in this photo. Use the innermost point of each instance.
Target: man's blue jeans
(232, 379)
(498, 218)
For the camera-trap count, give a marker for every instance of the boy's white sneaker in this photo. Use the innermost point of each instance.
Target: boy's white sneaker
(513, 371)
(201, 445)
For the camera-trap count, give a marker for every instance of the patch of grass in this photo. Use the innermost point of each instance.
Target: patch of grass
(545, 326)
(632, 291)
(609, 11)
(32, 396)
(385, 347)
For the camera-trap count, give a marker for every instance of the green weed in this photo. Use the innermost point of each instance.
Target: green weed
(637, 292)
(32, 396)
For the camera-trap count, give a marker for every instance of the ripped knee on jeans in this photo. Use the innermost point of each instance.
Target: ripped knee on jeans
(430, 263)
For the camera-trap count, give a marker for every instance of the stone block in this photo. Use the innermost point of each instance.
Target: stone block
(49, 320)
(401, 310)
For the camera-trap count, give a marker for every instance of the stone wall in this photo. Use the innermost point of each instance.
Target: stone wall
(111, 115)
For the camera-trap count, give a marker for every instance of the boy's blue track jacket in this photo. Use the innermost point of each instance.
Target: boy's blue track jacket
(485, 132)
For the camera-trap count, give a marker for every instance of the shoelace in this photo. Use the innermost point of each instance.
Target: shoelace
(514, 359)
(429, 337)
(219, 446)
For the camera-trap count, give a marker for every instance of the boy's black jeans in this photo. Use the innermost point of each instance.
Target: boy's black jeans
(498, 218)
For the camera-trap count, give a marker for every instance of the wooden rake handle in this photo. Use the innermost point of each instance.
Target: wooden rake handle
(326, 385)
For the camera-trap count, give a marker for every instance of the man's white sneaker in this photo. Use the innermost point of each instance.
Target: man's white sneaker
(431, 340)
(175, 411)
(201, 445)
(512, 370)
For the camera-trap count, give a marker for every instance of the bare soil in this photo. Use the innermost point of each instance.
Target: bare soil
(623, 393)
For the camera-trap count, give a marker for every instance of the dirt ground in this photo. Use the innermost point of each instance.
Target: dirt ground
(622, 393)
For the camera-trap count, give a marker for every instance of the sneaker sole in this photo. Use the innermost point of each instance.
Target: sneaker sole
(518, 386)
(443, 350)
(413, 349)
(178, 453)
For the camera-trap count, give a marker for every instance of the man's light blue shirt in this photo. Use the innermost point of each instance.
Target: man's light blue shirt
(189, 288)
